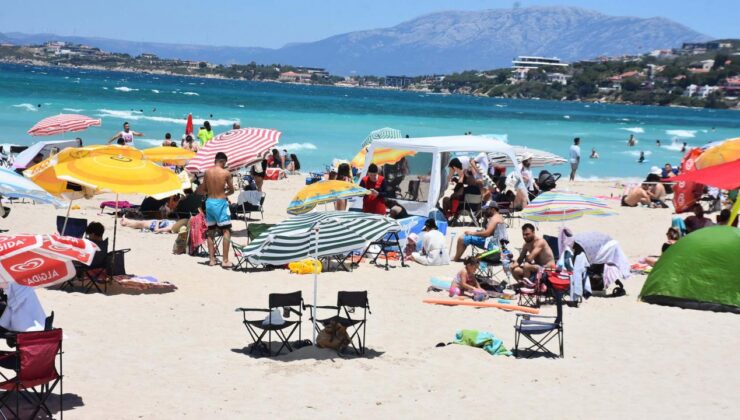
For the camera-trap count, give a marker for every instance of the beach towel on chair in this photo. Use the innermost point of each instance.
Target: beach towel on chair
(198, 230)
(481, 339)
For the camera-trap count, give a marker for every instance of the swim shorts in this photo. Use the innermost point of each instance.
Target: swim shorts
(217, 213)
(476, 241)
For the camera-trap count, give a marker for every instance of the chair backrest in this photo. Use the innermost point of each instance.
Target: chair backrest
(473, 200)
(75, 227)
(151, 204)
(37, 352)
(278, 300)
(552, 241)
(352, 299)
(99, 258)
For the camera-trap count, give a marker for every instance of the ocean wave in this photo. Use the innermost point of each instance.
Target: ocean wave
(675, 146)
(567, 117)
(682, 133)
(152, 142)
(190, 93)
(105, 88)
(125, 89)
(292, 147)
(73, 109)
(27, 107)
(636, 153)
(155, 90)
(240, 106)
(636, 130)
(136, 115)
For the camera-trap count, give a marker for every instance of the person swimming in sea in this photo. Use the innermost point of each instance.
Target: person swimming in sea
(594, 153)
(631, 141)
(657, 143)
(642, 157)
(683, 148)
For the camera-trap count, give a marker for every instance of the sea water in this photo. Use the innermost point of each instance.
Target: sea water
(322, 123)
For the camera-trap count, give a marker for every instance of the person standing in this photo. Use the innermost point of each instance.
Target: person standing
(575, 157)
(374, 202)
(205, 134)
(127, 135)
(217, 186)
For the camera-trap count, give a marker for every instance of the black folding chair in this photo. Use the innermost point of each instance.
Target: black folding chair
(75, 227)
(347, 304)
(257, 329)
(539, 331)
(387, 244)
(104, 267)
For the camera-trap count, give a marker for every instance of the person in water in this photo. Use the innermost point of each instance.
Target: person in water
(657, 143)
(631, 141)
(642, 157)
(683, 148)
(594, 153)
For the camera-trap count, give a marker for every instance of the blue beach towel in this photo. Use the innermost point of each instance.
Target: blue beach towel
(481, 339)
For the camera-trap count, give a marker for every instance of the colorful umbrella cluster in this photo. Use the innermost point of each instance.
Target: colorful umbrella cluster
(242, 147)
(555, 206)
(42, 260)
(13, 185)
(323, 192)
(62, 123)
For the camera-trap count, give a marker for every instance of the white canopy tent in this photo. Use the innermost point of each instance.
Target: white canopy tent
(441, 149)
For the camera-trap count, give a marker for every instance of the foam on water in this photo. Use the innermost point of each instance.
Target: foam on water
(27, 107)
(292, 147)
(675, 146)
(125, 89)
(636, 153)
(136, 115)
(636, 130)
(682, 133)
(73, 109)
(155, 90)
(190, 93)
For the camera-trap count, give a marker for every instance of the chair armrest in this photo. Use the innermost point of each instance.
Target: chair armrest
(321, 307)
(251, 310)
(121, 251)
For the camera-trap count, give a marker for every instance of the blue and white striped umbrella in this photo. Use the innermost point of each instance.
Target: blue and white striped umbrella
(13, 185)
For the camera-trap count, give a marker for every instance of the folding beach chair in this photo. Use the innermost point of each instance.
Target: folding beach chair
(535, 291)
(472, 204)
(36, 374)
(102, 269)
(347, 305)
(539, 331)
(246, 207)
(189, 206)
(257, 329)
(387, 244)
(491, 266)
(75, 227)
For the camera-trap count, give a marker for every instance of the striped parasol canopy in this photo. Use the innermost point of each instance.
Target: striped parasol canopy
(382, 133)
(323, 192)
(62, 123)
(554, 206)
(13, 185)
(539, 157)
(242, 147)
(339, 232)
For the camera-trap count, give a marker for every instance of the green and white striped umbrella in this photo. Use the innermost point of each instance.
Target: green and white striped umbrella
(339, 232)
(383, 133)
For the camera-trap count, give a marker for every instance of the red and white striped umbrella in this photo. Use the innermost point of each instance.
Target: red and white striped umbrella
(242, 147)
(62, 123)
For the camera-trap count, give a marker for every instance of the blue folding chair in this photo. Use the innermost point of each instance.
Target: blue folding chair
(75, 227)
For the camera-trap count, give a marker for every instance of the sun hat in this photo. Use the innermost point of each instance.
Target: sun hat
(655, 170)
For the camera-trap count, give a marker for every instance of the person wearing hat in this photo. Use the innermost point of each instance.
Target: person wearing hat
(487, 238)
(527, 177)
(433, 250)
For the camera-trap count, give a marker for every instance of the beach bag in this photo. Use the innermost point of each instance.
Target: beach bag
(181, 242)
(559, 280)
(333, 336)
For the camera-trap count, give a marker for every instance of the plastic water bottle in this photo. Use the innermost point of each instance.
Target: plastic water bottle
(506, 262)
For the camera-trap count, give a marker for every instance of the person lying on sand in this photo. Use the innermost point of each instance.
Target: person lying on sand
(156, 226)
(465, 283)
(637, 195)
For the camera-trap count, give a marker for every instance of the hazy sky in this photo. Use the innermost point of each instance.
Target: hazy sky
(272, 23)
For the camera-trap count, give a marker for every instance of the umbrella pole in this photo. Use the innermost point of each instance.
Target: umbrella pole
(315, 284)
(66, 218)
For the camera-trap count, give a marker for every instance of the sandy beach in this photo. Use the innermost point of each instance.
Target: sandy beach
(183, 354)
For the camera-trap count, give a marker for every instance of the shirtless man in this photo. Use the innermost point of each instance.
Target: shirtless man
(535, 253)
(477, 238)
(217, 186)
(637, 195)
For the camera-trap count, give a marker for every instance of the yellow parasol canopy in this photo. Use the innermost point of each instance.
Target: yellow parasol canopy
(169, 155)
(381, 156)
(323, 192)
(727, 151)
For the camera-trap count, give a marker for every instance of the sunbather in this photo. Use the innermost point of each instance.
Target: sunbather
(636, 196)
(465, 282)
(478, 238)
(671, 237)
(156, 226)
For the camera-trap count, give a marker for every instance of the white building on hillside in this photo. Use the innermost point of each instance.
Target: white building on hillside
(535, 62)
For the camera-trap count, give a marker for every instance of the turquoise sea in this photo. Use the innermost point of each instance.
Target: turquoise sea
(323, 123)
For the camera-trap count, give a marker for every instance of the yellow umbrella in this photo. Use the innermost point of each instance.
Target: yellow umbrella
(168, 155)
(323, 192)
(381, 156)
(727, 151)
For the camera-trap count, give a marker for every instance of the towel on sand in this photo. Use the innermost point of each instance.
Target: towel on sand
(481, 339)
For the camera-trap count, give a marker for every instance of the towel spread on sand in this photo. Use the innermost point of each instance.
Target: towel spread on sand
(481, 339)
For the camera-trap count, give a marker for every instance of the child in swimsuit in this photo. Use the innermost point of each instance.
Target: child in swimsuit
(465, 281)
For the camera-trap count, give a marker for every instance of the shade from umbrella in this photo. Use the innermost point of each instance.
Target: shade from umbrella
(382, 156)
(553, 206)
(727, 151)
(242, 147)
(383, 133)
(323, 192)
(62, 123)
(339, 232)
(538, 158)
(13, 185)
(168, 155)
(42, 260)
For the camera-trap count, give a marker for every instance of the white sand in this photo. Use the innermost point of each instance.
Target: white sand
(182, 354)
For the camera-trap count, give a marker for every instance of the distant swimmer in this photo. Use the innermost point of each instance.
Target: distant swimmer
(642, 157)
(127, 135)
(657, 143)
(154, 109)
(683, 148)
(594, 153)
(39, 105)
(632, 141)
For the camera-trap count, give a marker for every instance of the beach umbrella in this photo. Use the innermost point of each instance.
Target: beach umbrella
(242, 147)
(13, 185)
(538, 158)
(323, 192)
(725, 176)
(168, 155)
(382, 156)
(189, 125)
(383, 133)
(727, 151)
(42, 260)
(686, 193)
(554, 206)
(62, 123)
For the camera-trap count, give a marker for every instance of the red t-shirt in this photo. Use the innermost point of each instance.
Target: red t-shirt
(373, 203)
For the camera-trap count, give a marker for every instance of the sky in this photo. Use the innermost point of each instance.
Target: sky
(273, 23)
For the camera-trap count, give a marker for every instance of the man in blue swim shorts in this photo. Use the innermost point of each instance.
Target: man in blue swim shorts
(494, 232)
(218, 186)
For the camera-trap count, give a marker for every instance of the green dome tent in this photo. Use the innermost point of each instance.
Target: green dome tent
(700, 271)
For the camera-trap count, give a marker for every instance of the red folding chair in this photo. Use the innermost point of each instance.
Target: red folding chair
(36, 375)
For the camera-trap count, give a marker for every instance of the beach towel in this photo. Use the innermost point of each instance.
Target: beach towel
(198, 230)
(481, 339)
(600, 248)
(143, 283)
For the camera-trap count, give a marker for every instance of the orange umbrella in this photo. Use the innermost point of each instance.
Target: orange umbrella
(727, 151)
(381, 156)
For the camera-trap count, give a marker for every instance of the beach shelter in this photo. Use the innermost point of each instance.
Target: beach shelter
(242, 147)
(432, 156)
(556, 206)
(45, 148)
(700, 271)
(686, 193)
(724, 176)
(62, 123)
(13, 185)
(323, 192)
(538, 157)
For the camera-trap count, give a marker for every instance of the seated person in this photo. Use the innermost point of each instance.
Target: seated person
(451, 204)
(637, 195)
(94, 232)
(457, 168)
(465, 282)
(374, 203)
(396, 210)
(697, 221)
(156, 226)
(657, 190)
(495, 230)
(724, 216)
(672, 235)
(536, 254)
(434, 251)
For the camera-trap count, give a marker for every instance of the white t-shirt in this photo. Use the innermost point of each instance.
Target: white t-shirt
(482, 161)
(527, 177)
(575, 153)
(128, 138)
